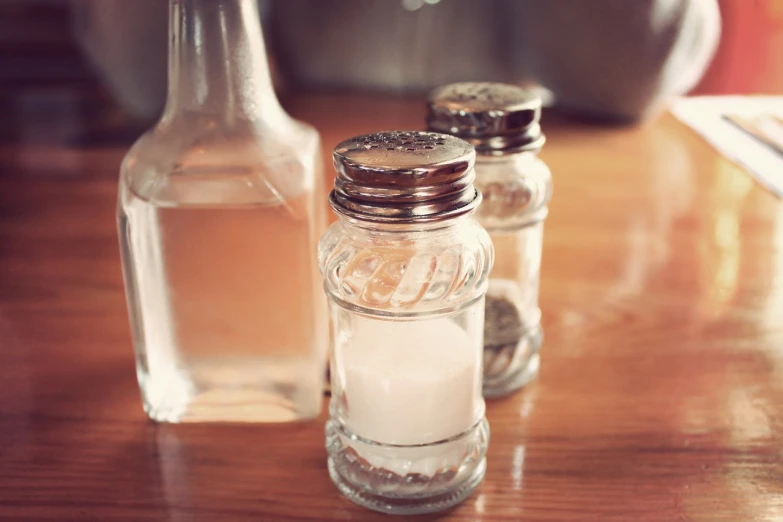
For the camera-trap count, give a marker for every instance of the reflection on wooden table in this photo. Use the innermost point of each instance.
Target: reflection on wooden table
(660, 395)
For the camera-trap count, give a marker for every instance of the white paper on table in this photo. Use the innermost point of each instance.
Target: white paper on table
(709, 116)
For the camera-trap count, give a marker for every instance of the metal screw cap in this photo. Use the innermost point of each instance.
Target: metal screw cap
(495, 118)
(404, 177)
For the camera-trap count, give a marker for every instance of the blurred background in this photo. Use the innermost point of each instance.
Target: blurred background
(94, 70)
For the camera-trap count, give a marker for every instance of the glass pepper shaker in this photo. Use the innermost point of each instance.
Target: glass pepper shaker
(405, 270)
(502, 123)
(220, 212)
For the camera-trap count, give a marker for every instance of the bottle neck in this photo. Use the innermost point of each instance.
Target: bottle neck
(217, 62)
(409, 230)
(523, 157)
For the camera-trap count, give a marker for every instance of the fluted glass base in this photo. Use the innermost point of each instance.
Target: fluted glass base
(407, 480)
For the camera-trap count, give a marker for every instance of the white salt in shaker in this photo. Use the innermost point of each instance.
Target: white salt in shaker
(502, 123)
(405, 271)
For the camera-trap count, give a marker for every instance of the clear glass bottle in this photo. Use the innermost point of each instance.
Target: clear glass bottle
(405, 270)
(502, 123)
(220, 211)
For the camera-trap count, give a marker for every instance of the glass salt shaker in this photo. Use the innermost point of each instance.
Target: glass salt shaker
(502, 123)
(220, 211)
(405, 270)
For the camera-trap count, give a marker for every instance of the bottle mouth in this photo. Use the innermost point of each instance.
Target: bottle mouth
(531, 139)
(419, 211)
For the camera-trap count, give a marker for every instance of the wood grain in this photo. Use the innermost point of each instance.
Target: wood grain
(660, 395)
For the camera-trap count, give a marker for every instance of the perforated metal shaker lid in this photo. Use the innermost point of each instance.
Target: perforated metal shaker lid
(404, 177)
(495, 118)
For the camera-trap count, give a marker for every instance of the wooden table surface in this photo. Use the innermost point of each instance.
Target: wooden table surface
(660, 395)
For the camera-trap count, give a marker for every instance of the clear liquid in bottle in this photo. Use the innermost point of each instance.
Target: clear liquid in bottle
(225, 300)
